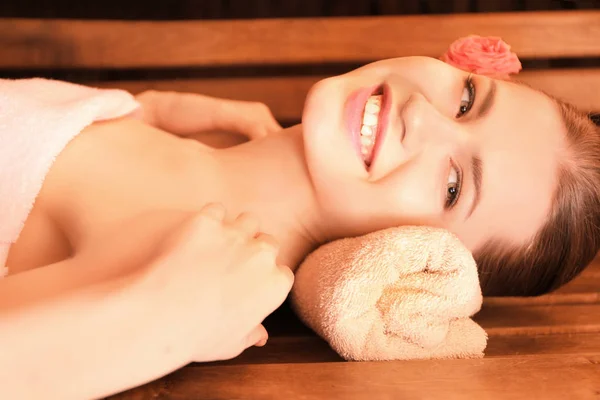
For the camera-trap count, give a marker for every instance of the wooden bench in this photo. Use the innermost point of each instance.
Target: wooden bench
(546, 347)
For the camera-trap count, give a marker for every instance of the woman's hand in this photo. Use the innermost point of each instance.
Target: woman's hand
(215, 282)
(206, 118)
(138, 302)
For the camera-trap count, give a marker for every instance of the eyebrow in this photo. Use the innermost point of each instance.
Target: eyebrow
(477, 176)
(488, 101)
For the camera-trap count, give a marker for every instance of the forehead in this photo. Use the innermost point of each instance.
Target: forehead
(520, 143)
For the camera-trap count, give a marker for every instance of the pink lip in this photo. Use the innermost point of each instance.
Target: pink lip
(354, 110)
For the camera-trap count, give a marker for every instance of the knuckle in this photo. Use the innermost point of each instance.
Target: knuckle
(261, 107)
(266, 242)
(146, 94)
(263, 111)
(248, 218)
(211, 210)
(234, 235)
(211, 213)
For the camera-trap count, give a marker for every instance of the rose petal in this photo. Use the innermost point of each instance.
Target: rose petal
(489, 56)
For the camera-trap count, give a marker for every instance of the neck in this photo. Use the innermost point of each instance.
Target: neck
(269, 178)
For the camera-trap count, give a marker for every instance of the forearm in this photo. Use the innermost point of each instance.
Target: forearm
(68, 333)
(194, 116)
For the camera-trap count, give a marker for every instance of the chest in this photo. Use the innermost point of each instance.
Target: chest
(108, 174)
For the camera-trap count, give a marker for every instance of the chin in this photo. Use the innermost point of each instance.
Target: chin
(337, 170)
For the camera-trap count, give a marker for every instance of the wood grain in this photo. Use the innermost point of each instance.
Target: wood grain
(555, 377)
(40, 43)
(312, 349)
(285, 95)
(536, 320)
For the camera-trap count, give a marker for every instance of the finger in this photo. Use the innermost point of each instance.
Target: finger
(258, 337)
(279, 288)
(273, 291)
(192, 233)
(186, 114)
(268, 241)
(287, 277)
(251, 119)
(247, 223)
(213, 210)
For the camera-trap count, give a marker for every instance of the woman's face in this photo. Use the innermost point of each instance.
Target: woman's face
(414, 141)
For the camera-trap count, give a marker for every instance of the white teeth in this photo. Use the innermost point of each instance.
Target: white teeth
(372, 108)
(365, 141)
(366, 131)
(369, 126)
(370, 119)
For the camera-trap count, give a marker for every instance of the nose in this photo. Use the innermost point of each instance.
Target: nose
(426, 127)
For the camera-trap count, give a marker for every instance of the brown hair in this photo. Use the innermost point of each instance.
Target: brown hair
(570, 238)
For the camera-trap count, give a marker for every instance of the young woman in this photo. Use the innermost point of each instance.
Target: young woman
(107, 247)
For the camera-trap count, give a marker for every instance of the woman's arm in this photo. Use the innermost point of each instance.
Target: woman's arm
(69, 330)
(141, 300)
(215, 121)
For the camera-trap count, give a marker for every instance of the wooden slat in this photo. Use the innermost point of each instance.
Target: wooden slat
(313, 349)
(499, 320)
(540, 320)
(118, 44)
(583, 343)
(519, 318)
(580, 87)
(285, 95)
(522, 377)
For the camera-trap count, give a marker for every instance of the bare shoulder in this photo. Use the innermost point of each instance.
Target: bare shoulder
(108, 174)
(46, 237)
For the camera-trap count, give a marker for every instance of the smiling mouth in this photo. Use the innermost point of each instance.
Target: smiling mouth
(371, 124)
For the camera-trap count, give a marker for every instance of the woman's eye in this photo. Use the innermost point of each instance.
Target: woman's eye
(467, 99)
(453, 190)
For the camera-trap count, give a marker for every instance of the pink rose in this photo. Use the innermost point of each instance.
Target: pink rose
(489, 56)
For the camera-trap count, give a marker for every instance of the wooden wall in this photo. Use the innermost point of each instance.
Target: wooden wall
(226, 9)
(193, 76)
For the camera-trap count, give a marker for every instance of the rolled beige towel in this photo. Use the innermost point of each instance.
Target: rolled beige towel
(397, 294)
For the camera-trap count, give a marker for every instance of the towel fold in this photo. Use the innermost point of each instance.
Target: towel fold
(401, 293)
(38, 118)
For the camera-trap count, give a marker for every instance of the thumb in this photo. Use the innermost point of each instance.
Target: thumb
(258, 337)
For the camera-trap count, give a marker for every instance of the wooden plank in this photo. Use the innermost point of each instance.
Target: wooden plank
(522, 377)
(38, 43)
(285, 95)
(497, 320)
(577, 294)
(313, 349)
(502, 346)
(540, 320)
(577, 86)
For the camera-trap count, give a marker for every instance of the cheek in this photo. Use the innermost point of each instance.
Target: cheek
(411, 195)
(405, 197)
